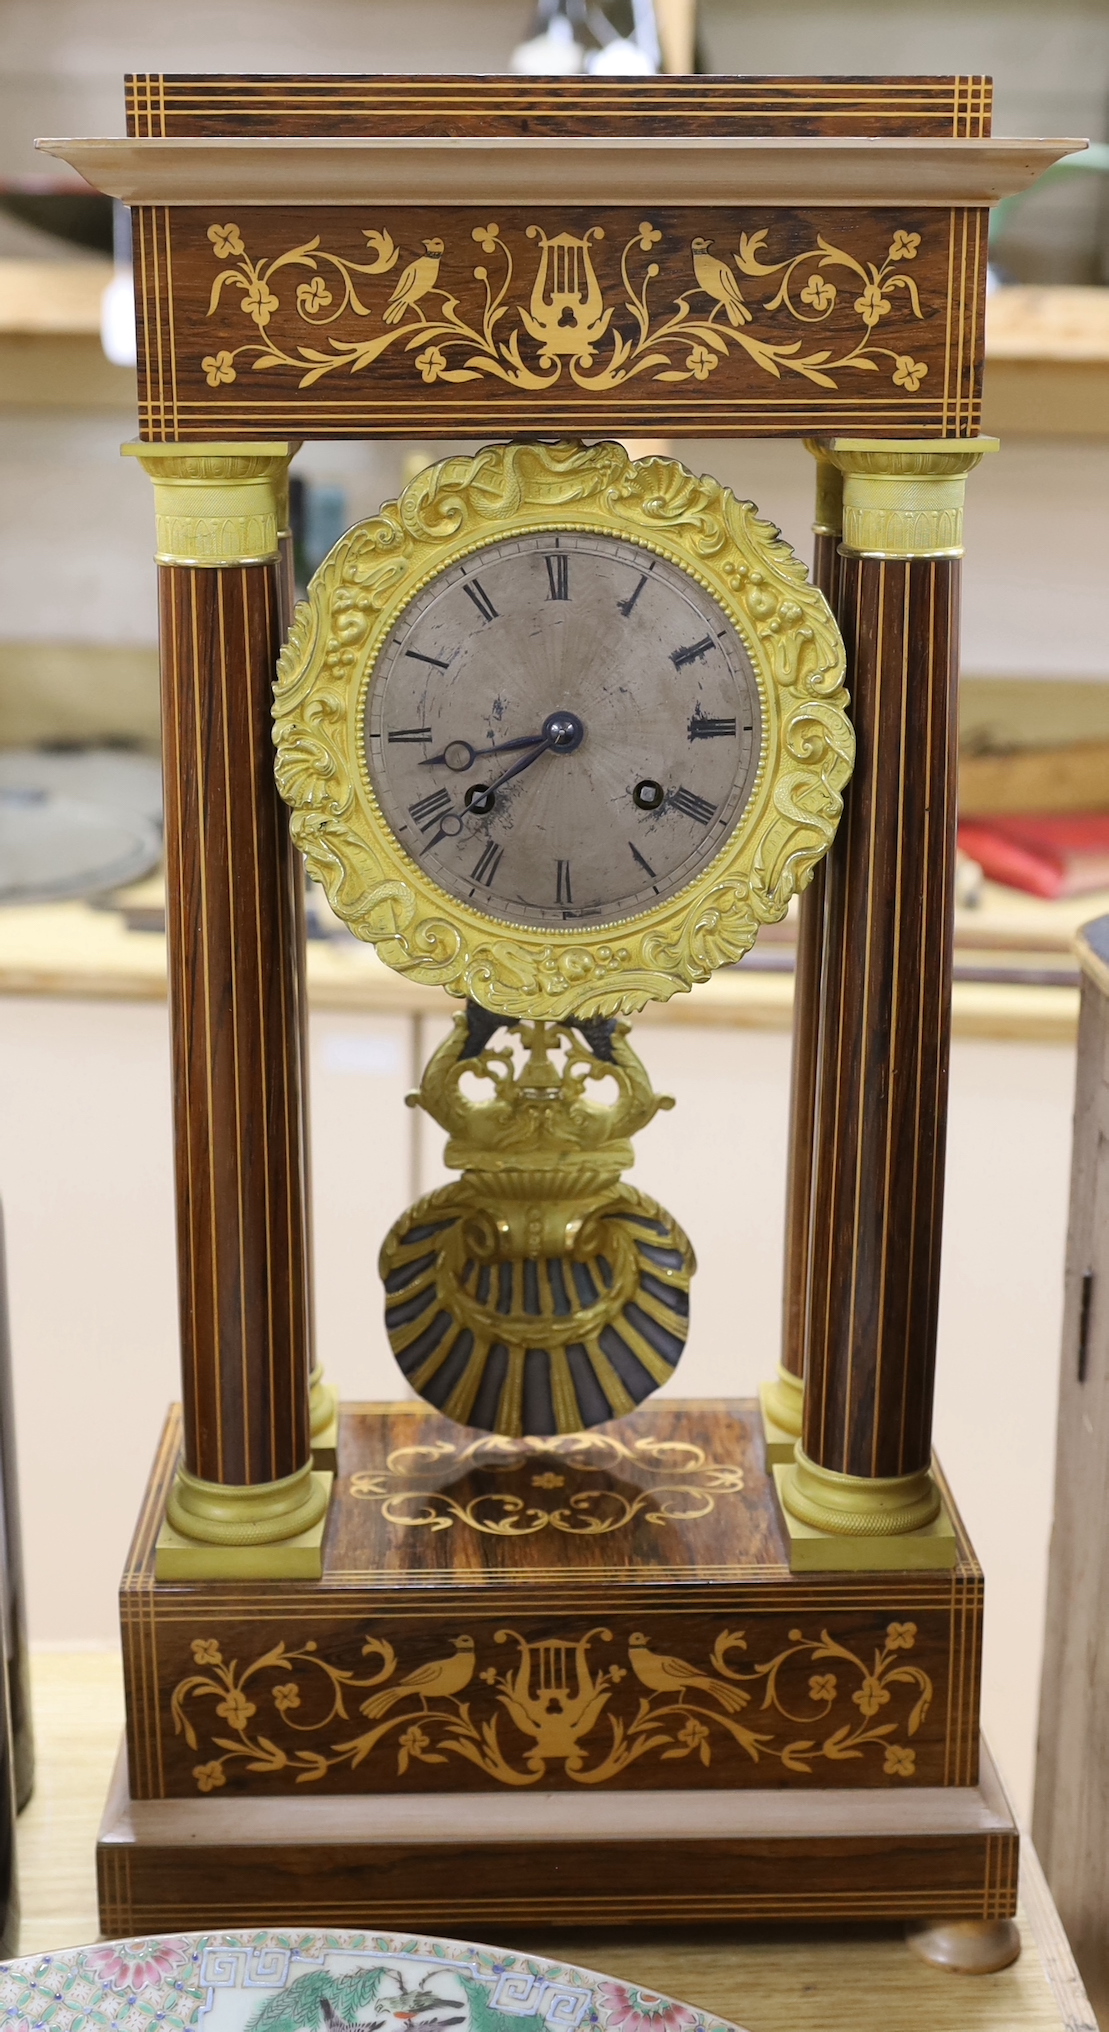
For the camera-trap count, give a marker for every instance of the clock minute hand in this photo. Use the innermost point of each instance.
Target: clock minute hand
(563, 732)
(450, 825)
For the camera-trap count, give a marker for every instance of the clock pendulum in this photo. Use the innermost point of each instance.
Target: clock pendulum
(560, 731)
(538, 1294)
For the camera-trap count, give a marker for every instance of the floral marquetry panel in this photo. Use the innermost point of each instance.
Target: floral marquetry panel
(608, 1610)
(334, 321)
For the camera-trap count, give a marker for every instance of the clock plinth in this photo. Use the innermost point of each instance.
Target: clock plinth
(589, 1642)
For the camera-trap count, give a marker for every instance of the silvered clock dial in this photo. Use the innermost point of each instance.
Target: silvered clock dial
(563, 728)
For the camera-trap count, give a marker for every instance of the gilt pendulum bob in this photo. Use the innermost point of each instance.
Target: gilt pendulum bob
(560, 731)
(539, 1294)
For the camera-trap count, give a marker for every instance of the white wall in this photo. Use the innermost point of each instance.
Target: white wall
(86, 1182)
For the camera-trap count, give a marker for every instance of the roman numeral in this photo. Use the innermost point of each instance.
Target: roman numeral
(489, 861)
(693, 807)
(563, 892)
(558, 574)
(702, 728)
(680, 657)
(645, 865)
(475, 591)
(625, 606)
(436, 662)
(428, 810)
(410, 734)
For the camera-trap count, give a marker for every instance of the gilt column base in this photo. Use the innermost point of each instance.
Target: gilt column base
(264, 1531)
(858, 1524)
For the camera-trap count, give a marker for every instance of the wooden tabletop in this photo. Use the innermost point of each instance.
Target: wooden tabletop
(784, 1981)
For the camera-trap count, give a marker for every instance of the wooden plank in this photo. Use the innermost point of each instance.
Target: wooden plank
(1071, 1812)
(71, 950)
(1074, 777)
(453, 1869)
(589, 168)
(956, 107)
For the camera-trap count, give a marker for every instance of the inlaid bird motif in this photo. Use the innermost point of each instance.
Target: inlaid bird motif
(672, 1675)
(716, 279)
(439, 1677)
(420, 275)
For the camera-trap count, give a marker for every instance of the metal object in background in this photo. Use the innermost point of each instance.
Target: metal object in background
(618, 38)
(117, 305)
(16, 1749)
(76, 822)
(13, 1593)
(1094, 161)
(318, 515)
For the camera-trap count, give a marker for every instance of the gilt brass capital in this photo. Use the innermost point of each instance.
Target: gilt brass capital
(828, 508)
(217, 504)
(903, 498)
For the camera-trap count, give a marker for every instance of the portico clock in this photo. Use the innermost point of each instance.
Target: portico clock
(561, 729)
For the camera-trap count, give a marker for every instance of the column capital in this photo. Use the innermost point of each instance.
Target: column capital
(902, 497)
(828, 507)
(217, 505)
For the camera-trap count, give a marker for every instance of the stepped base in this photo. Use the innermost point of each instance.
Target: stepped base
(458, 1865)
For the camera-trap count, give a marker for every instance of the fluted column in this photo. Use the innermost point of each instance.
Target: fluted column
(245, 1487)
(783, 1398)
(862, 1469)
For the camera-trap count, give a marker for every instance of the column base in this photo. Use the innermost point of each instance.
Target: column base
(967, 1947)
(264, 1531)
(323, 1411)
(781, 1403)
(864, 1550)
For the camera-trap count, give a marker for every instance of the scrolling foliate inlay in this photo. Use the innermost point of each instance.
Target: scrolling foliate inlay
(527, 331)
(535, 1707)
(451, 510)
(679, 1484)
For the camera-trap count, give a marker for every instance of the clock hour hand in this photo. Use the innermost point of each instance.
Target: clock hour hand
(461, 755)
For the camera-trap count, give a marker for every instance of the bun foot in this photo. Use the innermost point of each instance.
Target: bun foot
(968, 1947)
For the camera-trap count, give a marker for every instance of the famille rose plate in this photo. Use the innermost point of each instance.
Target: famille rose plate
(325, 1981)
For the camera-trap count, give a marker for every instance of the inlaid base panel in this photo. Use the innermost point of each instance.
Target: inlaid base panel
(599, 1615)
(545, 1859)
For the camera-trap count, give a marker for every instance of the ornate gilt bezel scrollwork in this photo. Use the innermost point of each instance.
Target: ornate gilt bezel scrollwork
(453, 509)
